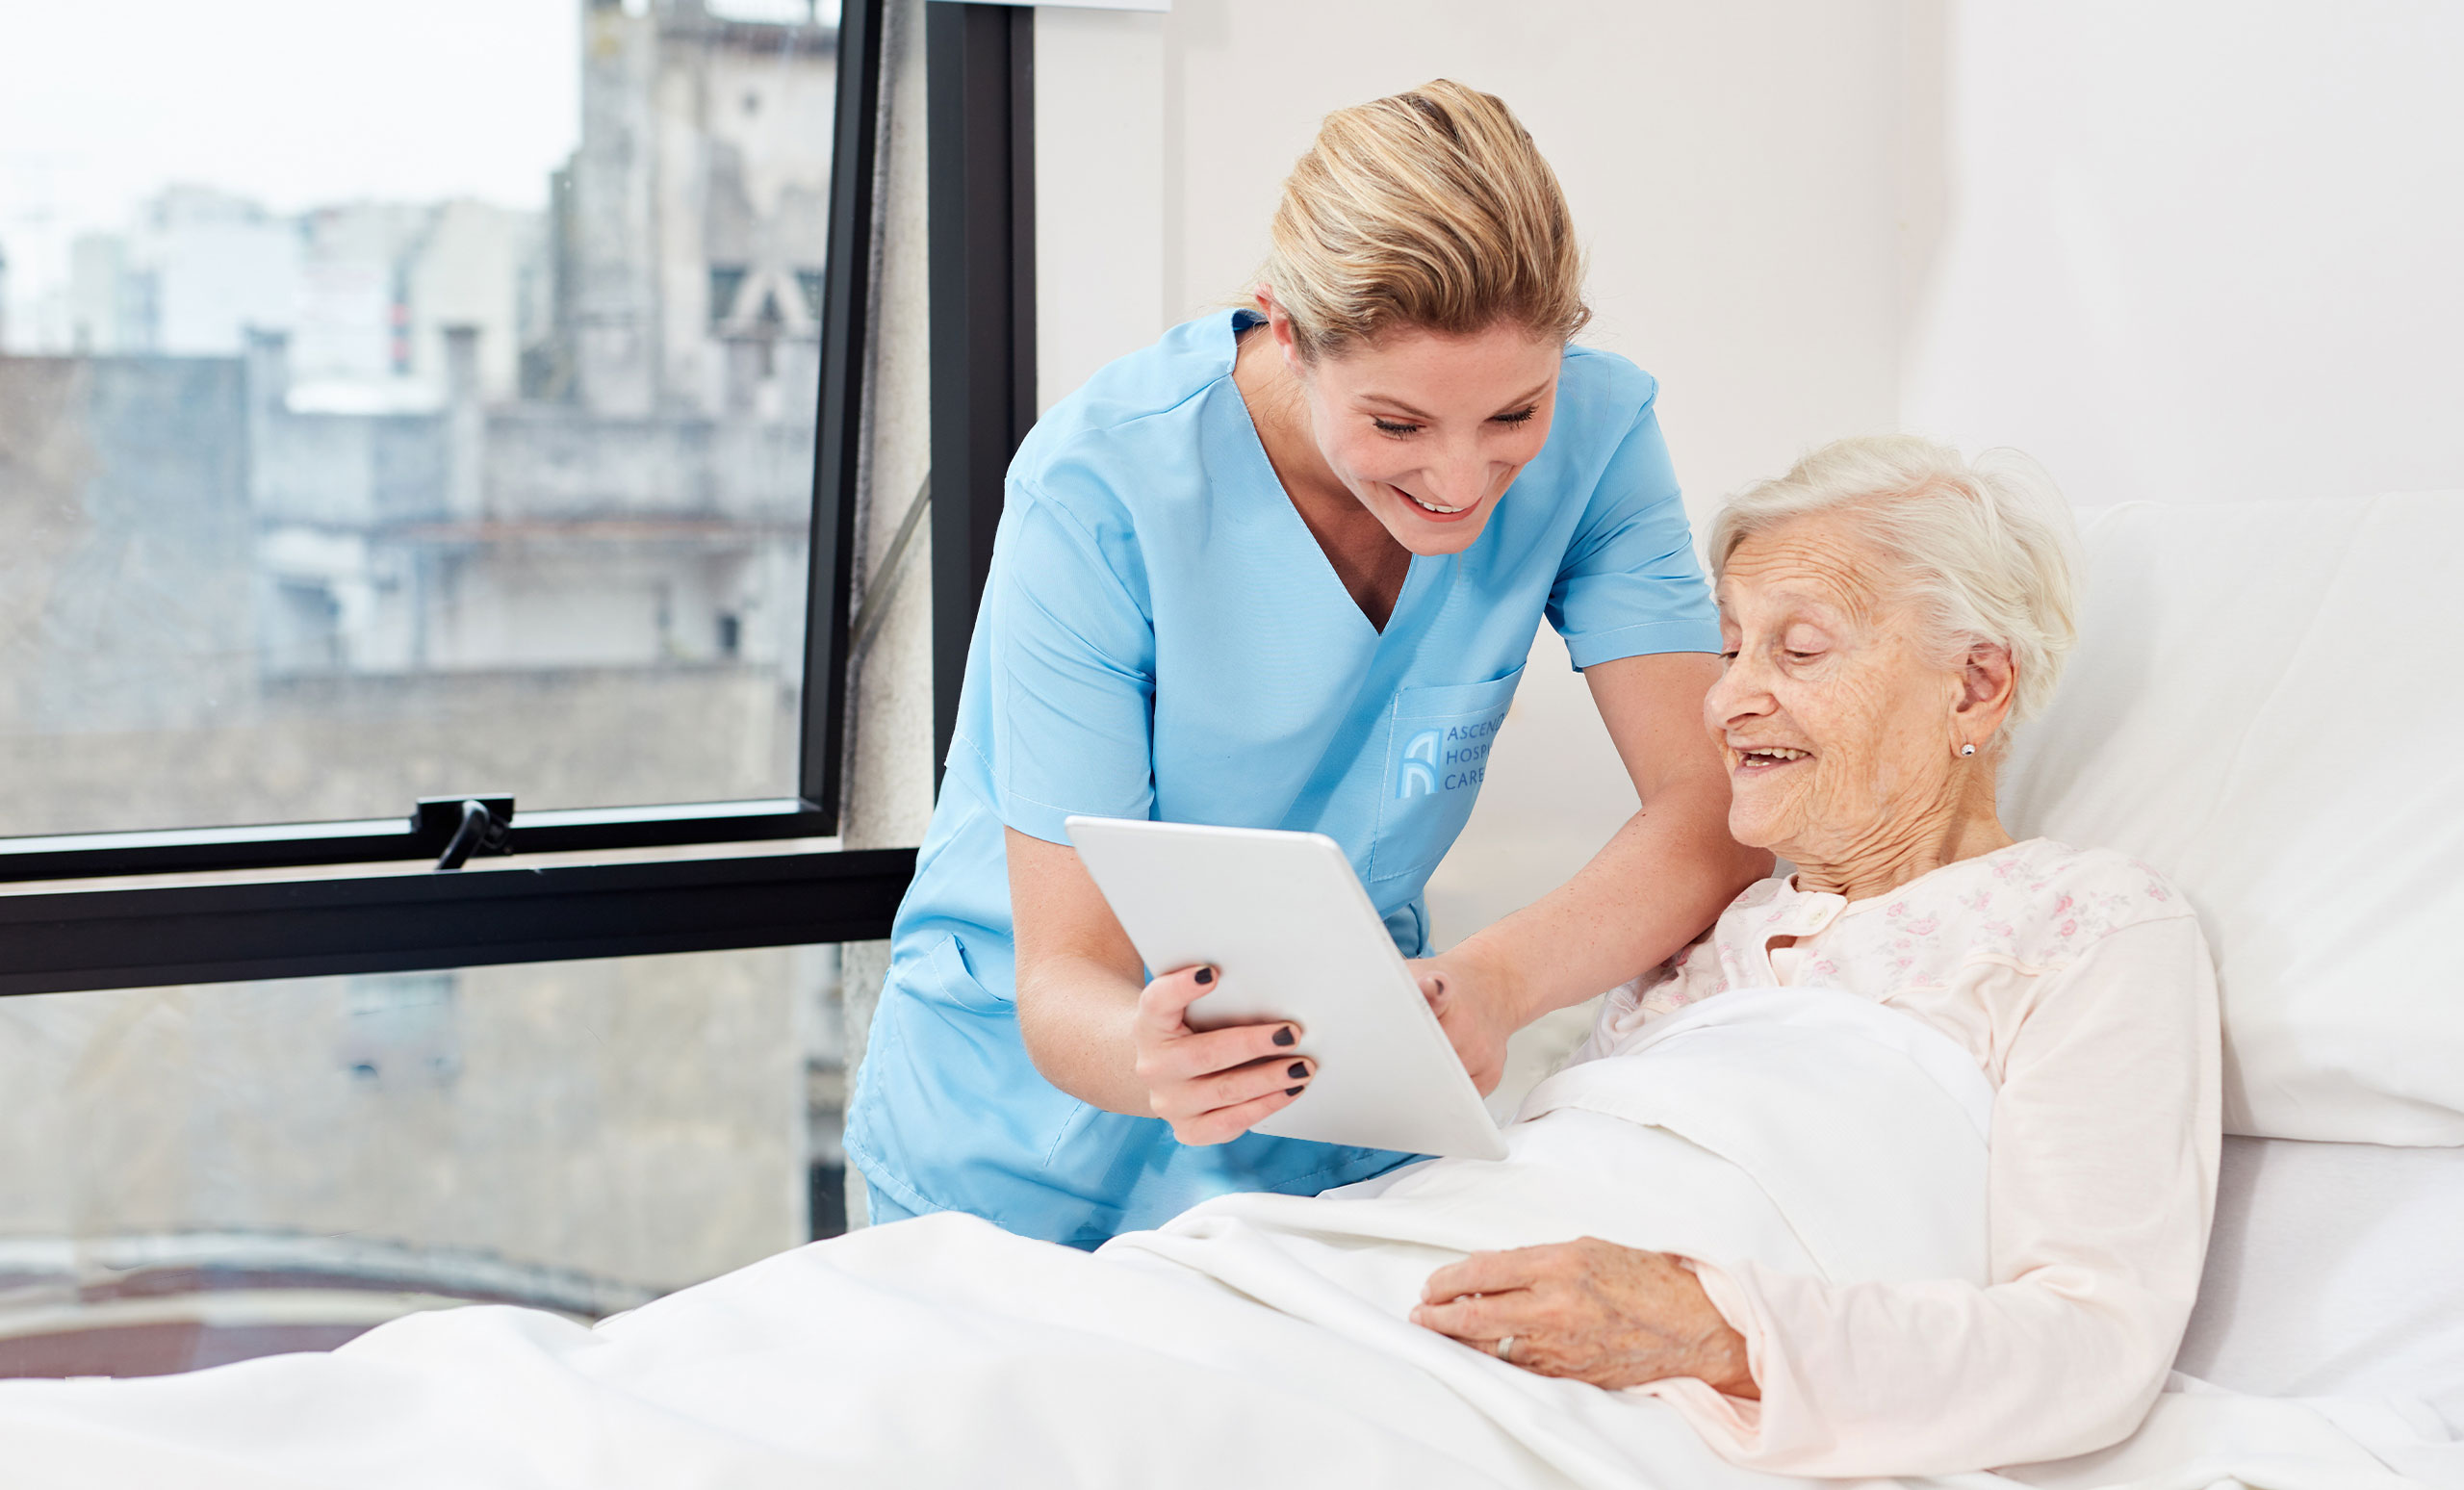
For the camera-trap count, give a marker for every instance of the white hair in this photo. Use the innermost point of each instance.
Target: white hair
(1987, 548)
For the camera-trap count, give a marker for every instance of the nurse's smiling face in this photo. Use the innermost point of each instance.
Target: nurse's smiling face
(1426, 430)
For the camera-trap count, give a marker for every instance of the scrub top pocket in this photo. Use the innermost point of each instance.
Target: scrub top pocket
(1438, 739)
(958, 984)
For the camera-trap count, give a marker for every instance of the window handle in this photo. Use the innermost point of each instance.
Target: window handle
(463, 826)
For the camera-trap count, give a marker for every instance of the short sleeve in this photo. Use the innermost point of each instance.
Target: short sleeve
(1630, 583)
(1071, 676)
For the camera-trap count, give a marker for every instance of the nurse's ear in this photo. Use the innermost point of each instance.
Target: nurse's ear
(1279, 324)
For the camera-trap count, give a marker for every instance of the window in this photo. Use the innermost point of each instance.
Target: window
(366, 436)
(370, 429)
(192, 600)
(197, 1174)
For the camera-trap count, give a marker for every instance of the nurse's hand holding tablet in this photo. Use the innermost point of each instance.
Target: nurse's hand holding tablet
(1281, 571)
(1213, 1086)
(1274, 937)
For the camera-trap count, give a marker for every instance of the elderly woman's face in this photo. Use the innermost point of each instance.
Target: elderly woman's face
(1837, 726)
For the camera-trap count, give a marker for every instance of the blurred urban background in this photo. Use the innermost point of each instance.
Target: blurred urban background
(316, 508)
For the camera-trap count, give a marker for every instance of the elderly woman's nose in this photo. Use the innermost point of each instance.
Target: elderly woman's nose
(1740, 692)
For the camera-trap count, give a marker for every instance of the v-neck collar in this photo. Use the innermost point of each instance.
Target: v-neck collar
(1290, 522)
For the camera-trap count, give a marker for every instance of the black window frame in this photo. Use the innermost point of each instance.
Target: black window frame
(132, 933)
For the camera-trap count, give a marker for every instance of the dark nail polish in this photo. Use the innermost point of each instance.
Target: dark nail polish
(1291, 1091)
(1283, 1037)
(1299, 1068)
(1205, 976)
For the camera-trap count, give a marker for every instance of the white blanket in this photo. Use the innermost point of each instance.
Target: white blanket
(1258, 1340)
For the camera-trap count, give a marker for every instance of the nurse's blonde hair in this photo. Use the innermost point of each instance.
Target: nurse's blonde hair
(1986, 547)
(1431, 209)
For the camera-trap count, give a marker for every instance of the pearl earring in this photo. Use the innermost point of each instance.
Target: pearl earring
(1967, 749)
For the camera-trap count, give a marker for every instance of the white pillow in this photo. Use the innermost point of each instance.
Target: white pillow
(2332, 1272)
(2268, 705)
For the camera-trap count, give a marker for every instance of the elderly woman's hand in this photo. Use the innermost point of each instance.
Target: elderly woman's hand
(1610, 1315)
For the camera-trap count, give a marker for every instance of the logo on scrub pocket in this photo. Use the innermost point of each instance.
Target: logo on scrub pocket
(1446, 757)
(1419, 775)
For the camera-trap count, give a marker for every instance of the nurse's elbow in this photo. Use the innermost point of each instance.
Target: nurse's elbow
(1035, 1001)
(1076, 1030)
(1035, 1020)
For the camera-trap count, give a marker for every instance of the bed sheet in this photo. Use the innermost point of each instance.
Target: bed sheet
(1256, 1340)
(2337, 1270)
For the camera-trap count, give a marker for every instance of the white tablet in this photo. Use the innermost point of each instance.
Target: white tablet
(1291, 934)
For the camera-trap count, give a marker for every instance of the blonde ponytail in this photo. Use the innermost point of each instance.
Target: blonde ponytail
(1431, 209)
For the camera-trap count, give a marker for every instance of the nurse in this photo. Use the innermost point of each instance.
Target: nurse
(1281, 570)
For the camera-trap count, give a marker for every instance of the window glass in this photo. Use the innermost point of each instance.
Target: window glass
(193, 1175)
(404, 403)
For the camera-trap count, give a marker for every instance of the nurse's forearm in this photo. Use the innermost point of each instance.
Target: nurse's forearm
(1079, 978)
(1666, 875)
(1078, 1018)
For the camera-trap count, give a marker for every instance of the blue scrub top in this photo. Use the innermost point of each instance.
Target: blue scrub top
(1161, 637)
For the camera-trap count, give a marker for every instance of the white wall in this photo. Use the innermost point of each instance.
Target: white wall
(2204, 251)
(1100, 266)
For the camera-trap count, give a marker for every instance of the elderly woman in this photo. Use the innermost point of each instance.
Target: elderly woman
(1904, 1167)
(1887, 611)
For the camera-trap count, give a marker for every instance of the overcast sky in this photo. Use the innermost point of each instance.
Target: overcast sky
(294, 102)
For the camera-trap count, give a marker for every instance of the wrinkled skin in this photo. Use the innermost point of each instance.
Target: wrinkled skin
(1826, 665)
(1610, 1315)
(1843, 732)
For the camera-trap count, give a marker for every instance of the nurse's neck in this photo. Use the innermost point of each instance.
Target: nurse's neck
(1365, 556)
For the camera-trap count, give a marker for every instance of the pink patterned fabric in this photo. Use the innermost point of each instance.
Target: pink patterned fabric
(2080, 982)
